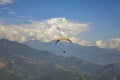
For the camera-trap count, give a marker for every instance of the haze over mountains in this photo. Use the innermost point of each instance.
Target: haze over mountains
(89, 53)
(20, 62)
(33, 64)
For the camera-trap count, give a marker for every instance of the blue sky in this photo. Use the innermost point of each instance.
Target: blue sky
(103, 15)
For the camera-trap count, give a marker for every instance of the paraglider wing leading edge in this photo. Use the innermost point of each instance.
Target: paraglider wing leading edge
(61, 39)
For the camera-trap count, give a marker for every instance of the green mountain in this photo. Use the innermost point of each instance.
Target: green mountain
(20, 62)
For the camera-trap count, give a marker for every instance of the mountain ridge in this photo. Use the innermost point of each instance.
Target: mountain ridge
(89, 53)
(22, 61)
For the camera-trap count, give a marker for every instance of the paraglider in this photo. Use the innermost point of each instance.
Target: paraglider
(64, 51)
(63, 39)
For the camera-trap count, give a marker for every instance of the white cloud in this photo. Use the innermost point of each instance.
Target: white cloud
(86, 43)
(25, 17)
(99, 43)
(111, 43)
(52, 29)
(46, 30)
(8, 10)
(11, 12)
(4, 2)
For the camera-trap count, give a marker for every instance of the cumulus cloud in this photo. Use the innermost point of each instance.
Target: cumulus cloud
(4, 2)
(46, 30)
(111, 43)
(52, 29)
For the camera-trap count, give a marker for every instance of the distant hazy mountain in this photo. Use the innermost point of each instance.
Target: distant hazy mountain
(20, 62)
(88, 53)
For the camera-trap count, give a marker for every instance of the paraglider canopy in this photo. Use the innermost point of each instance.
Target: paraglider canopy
(63, 39)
